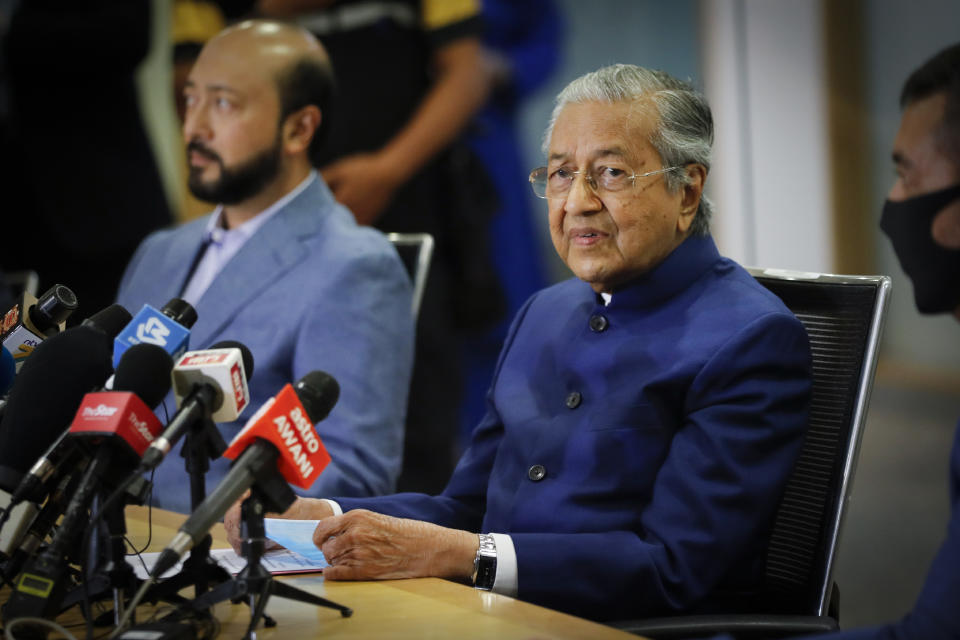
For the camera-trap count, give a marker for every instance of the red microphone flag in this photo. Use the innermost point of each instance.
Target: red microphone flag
(283, 422)
(117, 413)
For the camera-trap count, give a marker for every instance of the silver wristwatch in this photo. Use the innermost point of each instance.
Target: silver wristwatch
(485, 564)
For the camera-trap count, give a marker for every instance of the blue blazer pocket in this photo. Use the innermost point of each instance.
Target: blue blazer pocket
(640, 416)
(622, 449)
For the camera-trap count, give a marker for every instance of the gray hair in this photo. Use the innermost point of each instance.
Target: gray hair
(684, 131)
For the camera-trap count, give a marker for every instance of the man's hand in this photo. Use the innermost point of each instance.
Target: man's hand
(302, 509)
(361, 545)
(364, 183)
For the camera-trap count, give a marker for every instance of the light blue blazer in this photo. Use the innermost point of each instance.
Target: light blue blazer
(310, 290)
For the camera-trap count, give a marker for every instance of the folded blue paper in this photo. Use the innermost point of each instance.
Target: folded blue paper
(297, 536)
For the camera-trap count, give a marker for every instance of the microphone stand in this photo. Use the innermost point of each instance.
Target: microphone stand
(202, 443)
(113, 574)
(254, 583)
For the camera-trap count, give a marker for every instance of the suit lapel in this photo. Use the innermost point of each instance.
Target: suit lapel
(171, 274)
(272, 251)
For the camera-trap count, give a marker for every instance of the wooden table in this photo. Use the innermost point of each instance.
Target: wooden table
(419, 608)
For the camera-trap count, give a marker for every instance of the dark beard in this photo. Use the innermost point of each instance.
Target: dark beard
(238, 183)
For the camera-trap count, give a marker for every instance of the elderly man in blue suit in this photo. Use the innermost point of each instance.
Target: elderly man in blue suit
(279, 265)
(643, 416)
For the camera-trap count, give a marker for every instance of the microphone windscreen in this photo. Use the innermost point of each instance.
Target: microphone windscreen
(318, 392)
(110, 321)
(50, 386)
(180, 311)
(8, 370)
(245, 354)
(54, 306)
(144, 369)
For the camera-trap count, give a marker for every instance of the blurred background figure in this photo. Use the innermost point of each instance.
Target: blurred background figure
(83, 186)
(522, 47)
(410, 76)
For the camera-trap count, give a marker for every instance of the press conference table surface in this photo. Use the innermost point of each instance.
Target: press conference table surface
(419, 608)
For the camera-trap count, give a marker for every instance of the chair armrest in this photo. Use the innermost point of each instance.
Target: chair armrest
(738, 626)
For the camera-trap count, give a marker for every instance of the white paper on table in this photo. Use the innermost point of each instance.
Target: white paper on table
(274, 561)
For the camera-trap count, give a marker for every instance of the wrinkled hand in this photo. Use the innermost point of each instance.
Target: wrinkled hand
(361, 545)
(363, 183)
(302, 509)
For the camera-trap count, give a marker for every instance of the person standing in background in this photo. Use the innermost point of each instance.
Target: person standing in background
(410, 75)
(522, 45)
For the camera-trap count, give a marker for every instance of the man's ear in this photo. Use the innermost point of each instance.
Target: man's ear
(690, 195)
(300, 127)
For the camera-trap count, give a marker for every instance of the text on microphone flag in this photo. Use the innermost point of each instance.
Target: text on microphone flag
(239, 387)
(120, 413)
(283, 422)
(200, 358)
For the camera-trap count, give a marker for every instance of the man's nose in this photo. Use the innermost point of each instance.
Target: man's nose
(196, 125)
(582, 197)
(897, 191)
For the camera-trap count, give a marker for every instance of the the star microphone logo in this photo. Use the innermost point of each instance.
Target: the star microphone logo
(100, 411)
(153, 331)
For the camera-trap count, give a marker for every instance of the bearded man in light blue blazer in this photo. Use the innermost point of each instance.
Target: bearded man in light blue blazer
(279, 265)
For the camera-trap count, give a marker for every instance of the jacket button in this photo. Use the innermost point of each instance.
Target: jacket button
(574, 400)
(598, 323)
(537, 472)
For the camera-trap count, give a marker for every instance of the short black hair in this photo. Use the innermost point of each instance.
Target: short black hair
(309, 80)
(939, 74)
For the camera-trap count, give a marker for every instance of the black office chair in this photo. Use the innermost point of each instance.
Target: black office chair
(415, 251)
(844, 317)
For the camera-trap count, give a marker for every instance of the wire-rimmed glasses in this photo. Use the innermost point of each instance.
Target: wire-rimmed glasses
(556, 184)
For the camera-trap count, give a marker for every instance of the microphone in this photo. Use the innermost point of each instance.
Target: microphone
(41, 405)
(143, 373)
(115, 427)
(108, 322)
(168, 328)
(279, 440)
(49, 388)
(208, 384)
(32, 319)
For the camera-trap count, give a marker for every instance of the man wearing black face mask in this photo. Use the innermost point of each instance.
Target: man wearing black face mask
(922, 219)
(922, 214)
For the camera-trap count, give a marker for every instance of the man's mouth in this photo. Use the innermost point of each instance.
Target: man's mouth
(198, 155)
(586, 236)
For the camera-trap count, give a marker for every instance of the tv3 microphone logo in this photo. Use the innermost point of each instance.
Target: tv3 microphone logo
(153, 331)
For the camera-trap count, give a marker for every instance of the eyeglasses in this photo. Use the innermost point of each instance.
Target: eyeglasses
(556, 184)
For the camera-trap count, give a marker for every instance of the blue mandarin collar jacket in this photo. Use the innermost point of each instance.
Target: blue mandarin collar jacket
(635, 452)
